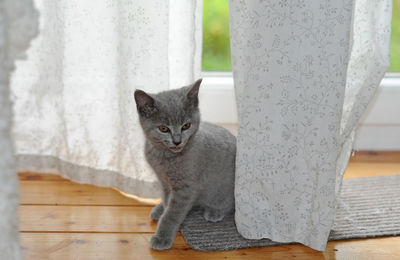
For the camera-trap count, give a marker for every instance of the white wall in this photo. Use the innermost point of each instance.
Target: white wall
(379, 128)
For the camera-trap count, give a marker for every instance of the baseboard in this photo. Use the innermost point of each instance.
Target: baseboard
(377, 138)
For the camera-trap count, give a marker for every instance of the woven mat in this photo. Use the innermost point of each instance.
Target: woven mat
(369, 207)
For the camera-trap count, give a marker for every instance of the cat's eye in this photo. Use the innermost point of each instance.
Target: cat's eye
(186, 126)
(163, 128)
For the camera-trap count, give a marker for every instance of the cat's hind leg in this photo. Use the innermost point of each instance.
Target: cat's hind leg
(157, 211)
(214, 215)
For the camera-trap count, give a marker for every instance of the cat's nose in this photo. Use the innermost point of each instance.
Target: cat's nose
(176, 139)
(177, 142)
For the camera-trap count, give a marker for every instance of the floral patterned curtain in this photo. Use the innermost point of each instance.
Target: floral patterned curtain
(304, 72)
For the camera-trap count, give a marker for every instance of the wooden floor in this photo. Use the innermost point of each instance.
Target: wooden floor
(60, 219)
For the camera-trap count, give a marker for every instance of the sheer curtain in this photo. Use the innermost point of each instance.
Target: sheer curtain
(74, 111)
(304, 72)
(18, 25)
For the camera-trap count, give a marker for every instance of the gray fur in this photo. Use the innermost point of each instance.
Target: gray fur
(199, 173)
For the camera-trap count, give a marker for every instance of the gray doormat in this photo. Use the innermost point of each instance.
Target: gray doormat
(369, 207)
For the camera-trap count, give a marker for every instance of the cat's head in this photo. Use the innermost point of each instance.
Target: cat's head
(170, 118)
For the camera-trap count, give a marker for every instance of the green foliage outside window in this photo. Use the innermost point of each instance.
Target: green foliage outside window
(216, 45)
(395, 40)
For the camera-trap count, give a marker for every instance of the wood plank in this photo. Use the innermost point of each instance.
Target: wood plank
(136, 246)
(34, 176)
(362, 169)
(376, 156)
(86, 219)
(70, 193)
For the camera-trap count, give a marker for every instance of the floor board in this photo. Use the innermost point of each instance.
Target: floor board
(86, 219)
(369, 169)
(33, 176)
(135, 246)
(70, 193)
(60, 219)
(376, 156)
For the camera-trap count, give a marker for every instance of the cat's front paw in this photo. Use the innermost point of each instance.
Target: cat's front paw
(157, 211)
(160, 243)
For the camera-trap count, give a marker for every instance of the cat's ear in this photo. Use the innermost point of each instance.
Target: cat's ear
(144, 103)
(193, 94)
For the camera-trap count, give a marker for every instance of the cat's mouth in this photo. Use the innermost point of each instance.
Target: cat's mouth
(176, 149)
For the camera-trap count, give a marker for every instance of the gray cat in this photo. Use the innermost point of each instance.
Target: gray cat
(194, 161)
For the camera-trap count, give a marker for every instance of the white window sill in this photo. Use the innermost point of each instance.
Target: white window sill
(217, 80)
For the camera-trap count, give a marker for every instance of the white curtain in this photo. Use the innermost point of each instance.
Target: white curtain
(74, 111)
(304, 71)
(18, 25)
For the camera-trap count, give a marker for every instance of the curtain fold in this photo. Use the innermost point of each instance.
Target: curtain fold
(369, 60)
(17, 27)
(74, 111)
(304, 71)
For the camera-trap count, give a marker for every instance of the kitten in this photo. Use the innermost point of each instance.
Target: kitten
(194, 161)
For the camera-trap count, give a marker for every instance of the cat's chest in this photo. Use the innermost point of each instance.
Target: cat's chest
(165, 164)
(174, 170)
